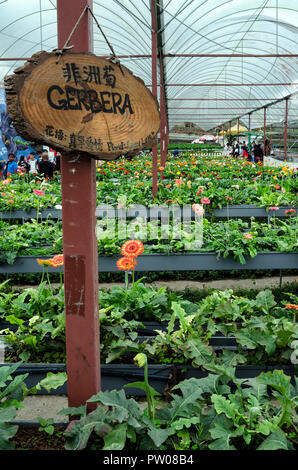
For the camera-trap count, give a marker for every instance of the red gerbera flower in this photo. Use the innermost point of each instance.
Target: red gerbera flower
(58, 260)
(132, 248)
(125, 264)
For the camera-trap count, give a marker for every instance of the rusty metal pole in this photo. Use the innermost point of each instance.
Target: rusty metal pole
(286, 130)
(163, 118)
(78, 178)
(154, 88)
(265, 109)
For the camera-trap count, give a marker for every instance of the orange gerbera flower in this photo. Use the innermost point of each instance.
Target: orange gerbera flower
(132, 248)
(292, 306)
(58, 260)
(125, 264)
(44, 262)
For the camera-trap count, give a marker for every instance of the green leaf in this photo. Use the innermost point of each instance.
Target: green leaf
(222, 434)
(223, 405)
(7, 414)
(276, 441)
(183, 406)
(185, 423)
(7, 431)
(115, 440)
(265, 300)
(199, 351)
(127, 409)
(276, 379)
(159, 436)
(52, 381)
(142, 386)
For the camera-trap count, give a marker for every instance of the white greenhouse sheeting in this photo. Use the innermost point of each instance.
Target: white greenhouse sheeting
(189, 27)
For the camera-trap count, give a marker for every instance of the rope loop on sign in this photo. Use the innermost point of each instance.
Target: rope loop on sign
(113, 57)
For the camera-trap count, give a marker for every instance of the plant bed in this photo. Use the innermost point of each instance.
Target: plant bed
(113, 376)
(161, 376)
(173, 262)
(218, 340)
(242, 372)
(24, 215)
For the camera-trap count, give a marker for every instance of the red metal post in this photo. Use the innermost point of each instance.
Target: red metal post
(78, 176)
(154, 88)
(163, 119)
(286, 130)
(265, 109)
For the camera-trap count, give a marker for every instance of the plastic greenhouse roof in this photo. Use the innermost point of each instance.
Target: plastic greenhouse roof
(220, 27)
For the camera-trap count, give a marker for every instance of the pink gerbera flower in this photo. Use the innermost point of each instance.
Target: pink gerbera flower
(38, 193)
(205, 200)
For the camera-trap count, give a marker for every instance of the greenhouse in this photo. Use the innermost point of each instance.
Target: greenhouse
(148, 228)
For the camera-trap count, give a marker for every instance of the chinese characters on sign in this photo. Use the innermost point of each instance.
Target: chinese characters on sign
(89, 74)
(89, 105)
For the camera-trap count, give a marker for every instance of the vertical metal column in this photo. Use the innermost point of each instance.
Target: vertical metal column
(249, 134)
(286, 130)
(154, 89)
(265, 109)
(78, 177)
(163, 117)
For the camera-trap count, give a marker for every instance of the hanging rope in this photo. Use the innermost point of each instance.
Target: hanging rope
(113, 57)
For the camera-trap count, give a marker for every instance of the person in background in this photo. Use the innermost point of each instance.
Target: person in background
(23, 165)
(32, 163)
(57, 161)
(176, 153)
(237, 150)
(38, 156)
(45, 167)
(258, 153)
(245, 150)
(10, 166)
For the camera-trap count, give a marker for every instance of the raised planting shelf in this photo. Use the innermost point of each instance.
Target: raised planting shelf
(172, 262)
(154, 213)
(115, 376)
(23, 215)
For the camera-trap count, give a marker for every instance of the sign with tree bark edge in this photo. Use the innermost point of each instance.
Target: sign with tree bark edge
(82, 104)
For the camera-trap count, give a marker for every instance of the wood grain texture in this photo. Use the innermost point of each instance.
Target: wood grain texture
(83, 104)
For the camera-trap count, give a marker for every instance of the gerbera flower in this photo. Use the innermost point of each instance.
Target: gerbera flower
(125, 264)
(205, 200)
(290, 211)
(198, 209)
(58, 260)
(132, 248)
(38, 193)
(44, 262)
(248, 236)
(292, 306)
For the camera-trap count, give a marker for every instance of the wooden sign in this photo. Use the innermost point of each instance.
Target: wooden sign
(82, 104)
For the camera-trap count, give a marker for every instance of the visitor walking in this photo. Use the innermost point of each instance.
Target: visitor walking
(237, 150)
(57, 161)
(258, 153)
(23, 165)
(45, 167)
(11, 166)
(32, 163)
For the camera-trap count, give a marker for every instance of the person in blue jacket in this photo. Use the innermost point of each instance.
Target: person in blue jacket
(10, 166)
